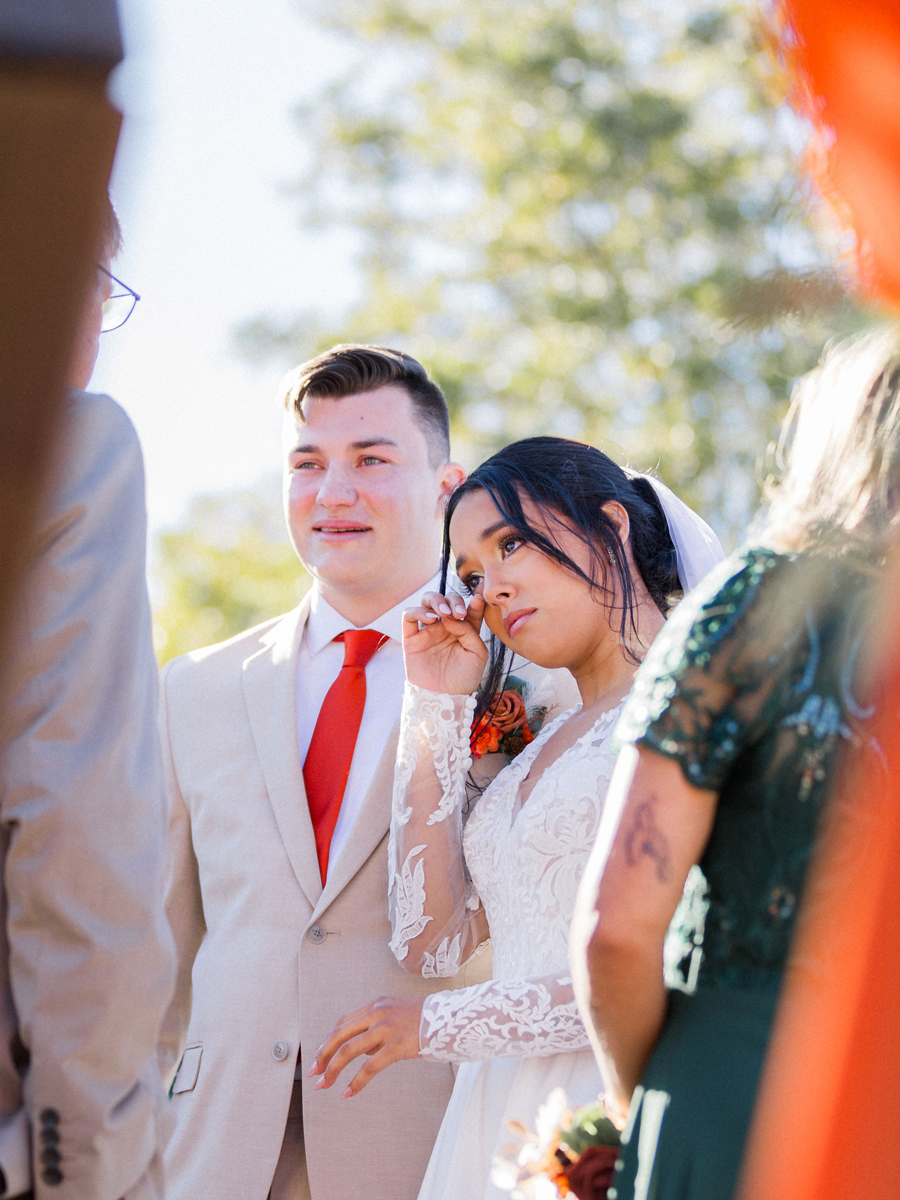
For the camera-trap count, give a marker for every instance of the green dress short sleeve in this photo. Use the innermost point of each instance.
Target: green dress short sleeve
(690, 698)
(749, 688)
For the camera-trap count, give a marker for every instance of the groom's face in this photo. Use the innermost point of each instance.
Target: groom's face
(363, 498)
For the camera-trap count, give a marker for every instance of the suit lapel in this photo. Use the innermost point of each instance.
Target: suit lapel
(270, 694)
(372, 823)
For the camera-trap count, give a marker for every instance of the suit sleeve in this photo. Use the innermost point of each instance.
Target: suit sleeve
(83, 814)
(184, 901)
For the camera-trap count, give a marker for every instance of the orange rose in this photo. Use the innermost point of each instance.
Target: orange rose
(509, 712)
(487, 741)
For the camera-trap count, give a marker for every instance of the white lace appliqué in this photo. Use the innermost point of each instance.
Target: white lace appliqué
(429, 788)
(683, 949)
(445, 962)
(532, 1018)
(407, 903)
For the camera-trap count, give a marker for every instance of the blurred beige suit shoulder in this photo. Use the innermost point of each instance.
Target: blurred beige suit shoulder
(87, 963)
(268, 958)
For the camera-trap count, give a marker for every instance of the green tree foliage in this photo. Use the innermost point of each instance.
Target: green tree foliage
(229, 568)
(584, 217)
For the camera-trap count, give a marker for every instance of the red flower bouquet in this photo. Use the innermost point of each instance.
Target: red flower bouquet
(573, 1153)
(507, 725)
(591, 1174)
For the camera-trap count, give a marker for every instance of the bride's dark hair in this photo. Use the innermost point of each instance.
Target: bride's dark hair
(568, 483)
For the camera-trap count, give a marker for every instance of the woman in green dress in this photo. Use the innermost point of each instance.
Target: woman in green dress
(734, 723)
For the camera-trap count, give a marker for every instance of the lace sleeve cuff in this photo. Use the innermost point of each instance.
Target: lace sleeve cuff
(528, 1019)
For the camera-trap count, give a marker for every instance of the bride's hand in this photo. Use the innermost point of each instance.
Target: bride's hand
(446, 654)
(387, 1031)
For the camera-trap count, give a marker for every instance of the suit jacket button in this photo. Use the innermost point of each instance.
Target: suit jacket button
(317, 934)
(280, 1051)
(50, 1156)
(49, 1137)
(52, 1176)
(49, 1116)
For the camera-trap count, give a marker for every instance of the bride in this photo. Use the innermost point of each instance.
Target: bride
(571, 562)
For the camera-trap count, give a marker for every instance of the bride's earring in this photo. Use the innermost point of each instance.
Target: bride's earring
(611, 554)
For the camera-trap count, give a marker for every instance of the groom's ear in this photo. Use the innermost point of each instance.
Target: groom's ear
(450, 476)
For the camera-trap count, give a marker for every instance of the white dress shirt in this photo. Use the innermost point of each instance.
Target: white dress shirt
(319, 662)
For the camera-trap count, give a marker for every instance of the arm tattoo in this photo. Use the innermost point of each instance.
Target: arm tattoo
(643, 838)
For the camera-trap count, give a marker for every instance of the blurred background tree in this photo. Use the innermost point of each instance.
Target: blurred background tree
(230, 567)
(586, 218)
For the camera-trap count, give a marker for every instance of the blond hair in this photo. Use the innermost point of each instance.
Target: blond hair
(839, 452)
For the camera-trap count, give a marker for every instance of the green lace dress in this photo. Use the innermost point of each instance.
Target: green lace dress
(750, 689)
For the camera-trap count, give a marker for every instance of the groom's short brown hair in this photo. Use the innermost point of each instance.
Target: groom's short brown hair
(349, 369)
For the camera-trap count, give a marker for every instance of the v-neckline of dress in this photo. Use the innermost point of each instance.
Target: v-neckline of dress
(535, 748)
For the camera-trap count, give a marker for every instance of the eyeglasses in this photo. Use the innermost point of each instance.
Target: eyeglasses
(120, 305)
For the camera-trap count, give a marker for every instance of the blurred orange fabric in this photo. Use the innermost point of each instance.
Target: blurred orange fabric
(827, 1125)
(847, 76)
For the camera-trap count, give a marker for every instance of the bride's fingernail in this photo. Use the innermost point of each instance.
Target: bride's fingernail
(445, 609)
(346, 1094)
(320, 1084)
(313, 1070)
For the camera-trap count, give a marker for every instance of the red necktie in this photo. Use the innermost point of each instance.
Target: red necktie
(330, 752)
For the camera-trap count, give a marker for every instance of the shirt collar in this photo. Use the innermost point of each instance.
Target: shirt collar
(325, 623)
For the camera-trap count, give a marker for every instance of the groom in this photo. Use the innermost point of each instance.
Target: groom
(281, 746)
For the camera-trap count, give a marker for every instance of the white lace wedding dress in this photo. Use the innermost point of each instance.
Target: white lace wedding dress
(513, 874)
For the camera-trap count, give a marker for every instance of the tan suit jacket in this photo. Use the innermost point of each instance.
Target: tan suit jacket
(268, 959)
(86, 958)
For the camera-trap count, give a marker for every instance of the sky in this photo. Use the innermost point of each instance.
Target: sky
(208, 151)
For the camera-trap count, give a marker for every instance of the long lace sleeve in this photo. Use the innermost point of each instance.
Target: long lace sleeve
(436, 918)
(530, 1018)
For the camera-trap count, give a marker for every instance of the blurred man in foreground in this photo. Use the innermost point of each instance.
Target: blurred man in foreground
(85, 953)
